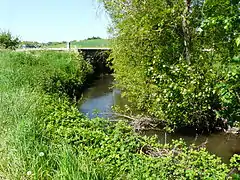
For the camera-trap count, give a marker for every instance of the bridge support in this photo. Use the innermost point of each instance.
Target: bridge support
(97, 58)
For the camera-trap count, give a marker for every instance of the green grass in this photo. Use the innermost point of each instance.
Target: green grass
(84, 44)
(92, 43)
(24, 81)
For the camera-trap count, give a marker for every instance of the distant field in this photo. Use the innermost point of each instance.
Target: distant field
(84, 43)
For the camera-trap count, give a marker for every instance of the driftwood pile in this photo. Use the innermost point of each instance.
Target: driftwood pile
(140, 123)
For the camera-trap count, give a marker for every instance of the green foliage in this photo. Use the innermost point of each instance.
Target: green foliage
(120, 153)
(92, 43)
(235, 162)
(93, 38)
(229, 89)
(22, 93)
(43, 136)
(221, 30)
(62, 73)
(7, 41)
(235, 165)
(30, 44)
(172, 64)
(220, 27)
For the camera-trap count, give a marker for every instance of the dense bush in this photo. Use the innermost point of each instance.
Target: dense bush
(229, 89)
(7, 41)
(172, 60)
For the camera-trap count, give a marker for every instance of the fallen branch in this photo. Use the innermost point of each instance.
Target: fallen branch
(234, 170)
(140, 123)
(159, 152)
(120, 115)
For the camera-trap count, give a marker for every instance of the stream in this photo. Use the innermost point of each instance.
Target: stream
(98, 99)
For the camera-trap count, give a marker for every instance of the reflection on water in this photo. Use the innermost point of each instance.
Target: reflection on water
(223, 145)
(101, 97)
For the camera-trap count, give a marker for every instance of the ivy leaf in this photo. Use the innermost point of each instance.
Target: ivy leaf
(238, 41)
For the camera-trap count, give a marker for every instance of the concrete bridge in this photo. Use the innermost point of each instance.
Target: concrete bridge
(97, 57)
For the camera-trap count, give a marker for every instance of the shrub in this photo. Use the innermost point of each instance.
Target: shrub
(7, 41)
(229, 89)
(169, 58)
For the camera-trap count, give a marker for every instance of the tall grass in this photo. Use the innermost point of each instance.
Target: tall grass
(25, 81)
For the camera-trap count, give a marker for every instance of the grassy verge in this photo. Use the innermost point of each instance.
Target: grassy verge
(43, 136)
(27, 81)
(84, 44)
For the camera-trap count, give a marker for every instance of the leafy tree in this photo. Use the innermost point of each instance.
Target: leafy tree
(221, 30)
(7, 41)
(168, 59)
(91, 38)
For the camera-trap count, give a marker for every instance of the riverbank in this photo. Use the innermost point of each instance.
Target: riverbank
(29, 84)
(101, 96)
(43, 135)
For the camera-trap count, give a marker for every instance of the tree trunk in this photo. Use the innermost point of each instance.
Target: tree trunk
(186, 31)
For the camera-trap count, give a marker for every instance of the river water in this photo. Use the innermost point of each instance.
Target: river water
(98, 99)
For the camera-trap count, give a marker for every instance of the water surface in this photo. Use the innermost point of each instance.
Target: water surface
(100, 97)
